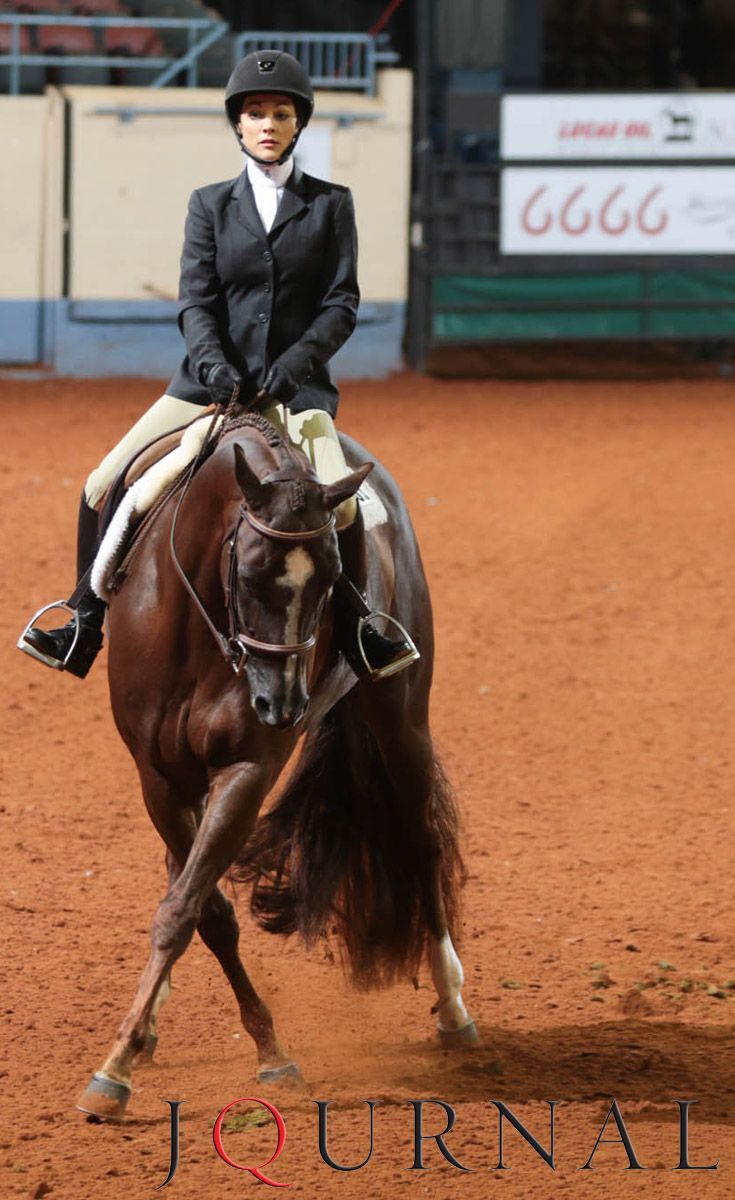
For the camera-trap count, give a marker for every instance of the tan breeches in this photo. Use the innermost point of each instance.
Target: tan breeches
(312, 431)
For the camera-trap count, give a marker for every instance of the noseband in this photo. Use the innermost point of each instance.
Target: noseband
(237, 646)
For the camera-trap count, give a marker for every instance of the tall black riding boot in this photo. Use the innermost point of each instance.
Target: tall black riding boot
(88, 536)
(369, 653)
(74, 646)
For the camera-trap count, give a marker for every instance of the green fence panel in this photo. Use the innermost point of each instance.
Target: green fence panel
(472, 307)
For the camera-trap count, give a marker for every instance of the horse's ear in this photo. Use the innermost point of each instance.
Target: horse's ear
(255, 492)
(335, 493)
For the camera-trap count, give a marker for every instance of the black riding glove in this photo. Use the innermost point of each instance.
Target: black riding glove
(221, 381)
(280, 383)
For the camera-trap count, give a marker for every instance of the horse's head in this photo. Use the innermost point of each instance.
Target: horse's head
(282, 564)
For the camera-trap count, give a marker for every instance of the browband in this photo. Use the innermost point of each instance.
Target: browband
(286, 535)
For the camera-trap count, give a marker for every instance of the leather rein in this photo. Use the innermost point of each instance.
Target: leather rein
(237, 646)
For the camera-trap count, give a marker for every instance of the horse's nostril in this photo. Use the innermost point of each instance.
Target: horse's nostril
(278, 717)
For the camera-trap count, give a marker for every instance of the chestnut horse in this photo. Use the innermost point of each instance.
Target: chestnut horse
(217, 665)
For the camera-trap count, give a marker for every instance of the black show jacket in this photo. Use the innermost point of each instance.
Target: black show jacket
(253, 298)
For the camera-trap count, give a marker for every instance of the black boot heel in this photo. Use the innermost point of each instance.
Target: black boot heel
(381, 656)
(74, 646)
(370, 654)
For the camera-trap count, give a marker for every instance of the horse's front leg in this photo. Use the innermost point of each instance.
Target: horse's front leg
(164, 992)
(235, 796)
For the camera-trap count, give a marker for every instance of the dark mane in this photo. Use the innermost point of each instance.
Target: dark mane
(234, 419)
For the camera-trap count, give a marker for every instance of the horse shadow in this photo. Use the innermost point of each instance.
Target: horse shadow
(644, 1062)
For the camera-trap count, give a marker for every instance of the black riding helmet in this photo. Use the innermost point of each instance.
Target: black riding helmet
(270, 71)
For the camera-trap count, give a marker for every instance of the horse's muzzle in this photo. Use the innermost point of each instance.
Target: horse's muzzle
(277, 716)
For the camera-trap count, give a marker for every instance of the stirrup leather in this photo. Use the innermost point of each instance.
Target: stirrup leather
(34, 652)
(412, 653)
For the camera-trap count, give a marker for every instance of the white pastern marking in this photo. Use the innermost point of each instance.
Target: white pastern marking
(448, 977)
(299, 570)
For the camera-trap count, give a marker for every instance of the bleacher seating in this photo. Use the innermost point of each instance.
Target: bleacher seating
(115, 42)
(132, 41)
(38, 7)
(65, 39)
(97, 8)
(160, 42)
(6, 43)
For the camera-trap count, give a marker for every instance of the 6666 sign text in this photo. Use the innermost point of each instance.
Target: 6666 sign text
(621, 210)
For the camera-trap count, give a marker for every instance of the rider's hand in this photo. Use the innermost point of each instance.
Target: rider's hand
(280, 384)
(221, 381)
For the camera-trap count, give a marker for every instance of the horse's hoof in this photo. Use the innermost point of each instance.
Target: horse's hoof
(145, 1057)
(286, 1073)
(106, 1099)
(455, 1039)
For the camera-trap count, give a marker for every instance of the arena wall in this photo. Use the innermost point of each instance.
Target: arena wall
(93, 235)
(31, 211)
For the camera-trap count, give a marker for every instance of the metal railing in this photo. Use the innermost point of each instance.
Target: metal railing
(347, 61)
(201, 33)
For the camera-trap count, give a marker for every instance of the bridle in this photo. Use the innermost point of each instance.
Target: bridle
(237, 646)
(242, 643)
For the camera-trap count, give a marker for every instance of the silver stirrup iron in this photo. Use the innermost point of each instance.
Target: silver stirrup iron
(411, 656)
(27, 648)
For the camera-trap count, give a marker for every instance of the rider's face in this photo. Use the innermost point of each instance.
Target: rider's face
(267, 125)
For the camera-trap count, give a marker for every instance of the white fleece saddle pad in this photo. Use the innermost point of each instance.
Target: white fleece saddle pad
(139, 499)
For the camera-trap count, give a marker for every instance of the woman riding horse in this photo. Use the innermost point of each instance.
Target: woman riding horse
(268, 293)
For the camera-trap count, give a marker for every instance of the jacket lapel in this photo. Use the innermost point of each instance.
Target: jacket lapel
(292, 201)
(245, 209)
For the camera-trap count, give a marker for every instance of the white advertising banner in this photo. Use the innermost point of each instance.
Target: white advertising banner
(618, 210)
(597, 126)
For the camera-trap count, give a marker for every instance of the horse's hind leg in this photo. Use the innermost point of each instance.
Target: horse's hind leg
(454, 1024)
(219, 930)
(407, 752)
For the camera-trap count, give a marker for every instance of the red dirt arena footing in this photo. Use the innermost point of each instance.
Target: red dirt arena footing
(578, 541)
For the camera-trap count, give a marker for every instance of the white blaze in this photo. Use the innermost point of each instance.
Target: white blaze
(299, 569)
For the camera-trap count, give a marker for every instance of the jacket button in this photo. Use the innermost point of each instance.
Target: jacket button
(267, 256)
(266, 287)
(263, 317)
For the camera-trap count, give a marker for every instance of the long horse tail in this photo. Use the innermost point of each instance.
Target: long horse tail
(344, 854)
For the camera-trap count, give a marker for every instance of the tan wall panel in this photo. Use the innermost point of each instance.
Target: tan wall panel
(52, 231)
(374, 159)
(131, 181)
(22, 132)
